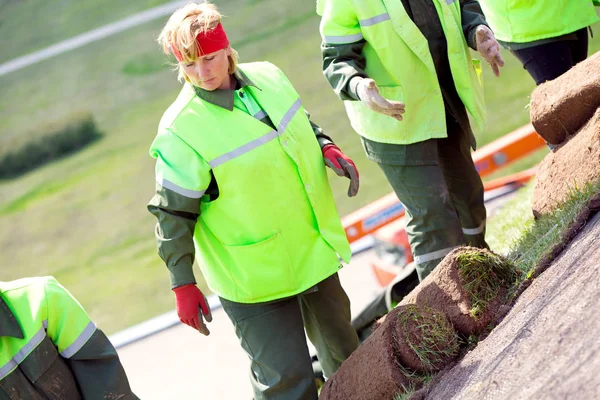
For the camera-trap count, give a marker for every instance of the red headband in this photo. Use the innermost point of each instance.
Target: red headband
(208, 42)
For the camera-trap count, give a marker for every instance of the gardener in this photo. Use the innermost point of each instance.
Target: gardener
(547, 36)
(240, 174)
(381, 56)
(50, 349)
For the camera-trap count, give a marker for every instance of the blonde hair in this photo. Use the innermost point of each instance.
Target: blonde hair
(181, 30)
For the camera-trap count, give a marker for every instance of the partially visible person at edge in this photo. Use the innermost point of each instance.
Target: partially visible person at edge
(547, 36)
(240, 174)
(51, 350)
(383, 57)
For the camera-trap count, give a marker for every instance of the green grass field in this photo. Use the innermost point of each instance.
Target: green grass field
(83, 218)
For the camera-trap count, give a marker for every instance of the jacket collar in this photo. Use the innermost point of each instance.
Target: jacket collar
(9, 326)
(224, 97)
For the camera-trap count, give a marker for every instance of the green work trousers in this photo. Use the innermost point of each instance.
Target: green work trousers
(440, 189)
(272, 334)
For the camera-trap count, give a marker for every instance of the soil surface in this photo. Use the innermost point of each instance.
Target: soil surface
(548, 345)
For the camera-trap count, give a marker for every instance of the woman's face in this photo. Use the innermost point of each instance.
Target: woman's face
(211, 71)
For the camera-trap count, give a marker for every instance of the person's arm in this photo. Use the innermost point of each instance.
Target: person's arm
(472, 16)
(341, 47)
(91, 357)
(174, 232)
(343, 67)
(182, 179)
(322, 138)
(343, 61)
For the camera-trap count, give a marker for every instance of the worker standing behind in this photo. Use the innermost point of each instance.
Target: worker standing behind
(51, 350)
(385, 57)
(242, 186)
(547, 36)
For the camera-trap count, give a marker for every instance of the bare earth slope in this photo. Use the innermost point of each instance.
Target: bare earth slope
(548, 345)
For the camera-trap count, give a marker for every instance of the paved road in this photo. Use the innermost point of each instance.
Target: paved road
(91, 36)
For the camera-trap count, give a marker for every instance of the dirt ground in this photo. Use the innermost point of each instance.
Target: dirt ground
(548, 345)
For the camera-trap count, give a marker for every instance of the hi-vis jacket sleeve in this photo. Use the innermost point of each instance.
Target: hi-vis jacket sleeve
(341, 47)
(91, 357)
(182, 178)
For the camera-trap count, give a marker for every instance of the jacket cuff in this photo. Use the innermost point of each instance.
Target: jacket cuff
(182, 275)
(352, 85)
(324, 142)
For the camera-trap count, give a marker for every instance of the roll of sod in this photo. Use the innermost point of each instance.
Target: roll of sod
(409, 340)
(468, 286)
(559, 108)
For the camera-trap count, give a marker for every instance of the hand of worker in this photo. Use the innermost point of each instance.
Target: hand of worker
(192, 307)
(342, 165)
(368, 92)
(488, 47)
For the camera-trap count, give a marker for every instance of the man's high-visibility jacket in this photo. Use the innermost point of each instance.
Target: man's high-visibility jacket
(49, 348)
(398, 59)
(523, 21)
(274, 230)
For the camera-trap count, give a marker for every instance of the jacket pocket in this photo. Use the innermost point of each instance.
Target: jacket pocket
(261, 271)
(373, 124)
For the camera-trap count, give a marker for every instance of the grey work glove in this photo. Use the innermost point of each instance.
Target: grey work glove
(368, 93)
(488, 47)
(342, 165)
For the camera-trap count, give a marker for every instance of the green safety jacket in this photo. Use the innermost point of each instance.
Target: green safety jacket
(274, 230)
(50, 349)
(523, 21)
(398, 59)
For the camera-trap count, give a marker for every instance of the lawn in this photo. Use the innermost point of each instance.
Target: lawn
(83, 218)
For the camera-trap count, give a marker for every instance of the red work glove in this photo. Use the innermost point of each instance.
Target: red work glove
(342, 165)
(192, 306)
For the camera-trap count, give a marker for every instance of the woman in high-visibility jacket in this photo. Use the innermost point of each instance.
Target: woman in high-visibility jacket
(547, 36)
(242, 187)
(50, 349)
(381, 56)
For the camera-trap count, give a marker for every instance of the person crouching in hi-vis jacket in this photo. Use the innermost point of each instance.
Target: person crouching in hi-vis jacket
(547, 36)
(51, 350)
(241, 175)
(406, 76)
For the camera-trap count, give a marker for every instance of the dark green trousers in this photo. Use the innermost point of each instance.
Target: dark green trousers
(440, 189)
(272, 334)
